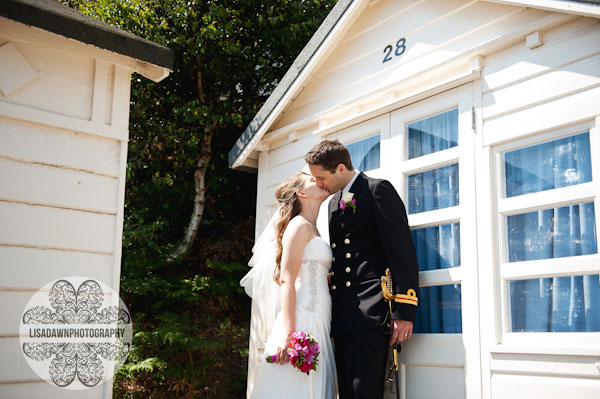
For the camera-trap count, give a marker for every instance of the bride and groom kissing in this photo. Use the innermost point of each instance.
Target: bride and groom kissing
(299, 282)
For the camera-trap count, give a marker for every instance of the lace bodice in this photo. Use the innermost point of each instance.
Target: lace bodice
(311, 285)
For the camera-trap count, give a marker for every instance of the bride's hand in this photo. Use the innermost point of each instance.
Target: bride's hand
(281, 355)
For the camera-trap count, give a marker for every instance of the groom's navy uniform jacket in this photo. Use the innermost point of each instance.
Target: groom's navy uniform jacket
(364, 244)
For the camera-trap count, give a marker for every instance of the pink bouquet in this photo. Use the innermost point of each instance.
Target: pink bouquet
(303, 351)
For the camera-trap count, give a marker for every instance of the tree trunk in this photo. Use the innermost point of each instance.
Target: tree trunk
(199, 198)
(199, 177)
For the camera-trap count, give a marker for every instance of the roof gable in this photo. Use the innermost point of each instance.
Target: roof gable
(314, 77)
(54, 17)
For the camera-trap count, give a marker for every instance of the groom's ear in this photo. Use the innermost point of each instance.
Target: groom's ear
(341, 168)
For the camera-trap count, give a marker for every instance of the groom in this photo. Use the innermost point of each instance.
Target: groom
(368, 232)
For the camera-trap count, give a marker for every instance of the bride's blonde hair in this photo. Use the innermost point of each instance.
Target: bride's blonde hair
(290, 206)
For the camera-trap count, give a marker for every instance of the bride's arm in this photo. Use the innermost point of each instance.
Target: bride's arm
(294, 240)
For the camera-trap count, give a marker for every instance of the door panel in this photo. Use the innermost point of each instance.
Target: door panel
(432, 167)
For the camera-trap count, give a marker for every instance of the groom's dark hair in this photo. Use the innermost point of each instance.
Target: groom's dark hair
(329, 154)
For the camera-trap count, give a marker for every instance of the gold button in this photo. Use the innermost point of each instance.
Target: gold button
(347, 241)
(333, 287)
(333, 245)
(348, 284)
(348, 270)
(333, 259)
(332, 273)
(348, 255)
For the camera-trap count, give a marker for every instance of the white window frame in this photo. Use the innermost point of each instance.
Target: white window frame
(462, 154)
(378, 125)
(505, 271)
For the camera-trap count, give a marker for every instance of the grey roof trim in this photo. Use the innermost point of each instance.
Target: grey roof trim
(54, 17)
(289, 78)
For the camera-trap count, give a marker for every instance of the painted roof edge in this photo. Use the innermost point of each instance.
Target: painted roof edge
(590, 8)
(289, 78)
(321, 34)
(57, 18)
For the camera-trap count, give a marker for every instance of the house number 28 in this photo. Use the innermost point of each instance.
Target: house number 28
(400, 49)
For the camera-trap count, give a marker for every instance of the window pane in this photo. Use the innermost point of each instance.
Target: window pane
(434, 189)
(437, 247)
(439, 310)
(433, 134)
(558, 304)
(552, 233)
(365, 153)
(545, 166)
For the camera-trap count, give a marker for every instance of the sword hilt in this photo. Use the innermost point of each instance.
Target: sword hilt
(387, 286)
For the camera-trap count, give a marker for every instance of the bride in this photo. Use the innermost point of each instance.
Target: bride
(288, 285)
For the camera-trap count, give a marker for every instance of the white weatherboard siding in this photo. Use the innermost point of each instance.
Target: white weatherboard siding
(436, 32)
(63, 149)
(553, 88)
(463, 53)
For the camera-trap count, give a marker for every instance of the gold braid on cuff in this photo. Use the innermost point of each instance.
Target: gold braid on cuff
(409, 298)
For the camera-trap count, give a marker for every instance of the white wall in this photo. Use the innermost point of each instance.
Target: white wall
(526, 93)
(436, 32)
(63, 150)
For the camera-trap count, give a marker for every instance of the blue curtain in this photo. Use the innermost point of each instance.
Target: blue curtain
(552, 233)
(558, 304)
(433, 134)
(437, 247)
(545, 166)
(365, 153)
(439, 310)
(433, 189)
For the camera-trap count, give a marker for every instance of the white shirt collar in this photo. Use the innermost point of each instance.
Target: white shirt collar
(347, 188)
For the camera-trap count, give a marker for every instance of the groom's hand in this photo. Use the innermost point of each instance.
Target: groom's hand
(401, 331)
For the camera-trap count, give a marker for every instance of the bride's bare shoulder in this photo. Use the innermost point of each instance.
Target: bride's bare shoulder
(298, 229)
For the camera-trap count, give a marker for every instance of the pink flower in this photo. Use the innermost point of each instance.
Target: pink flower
(347, 201)
(303, 351)
(271, 359)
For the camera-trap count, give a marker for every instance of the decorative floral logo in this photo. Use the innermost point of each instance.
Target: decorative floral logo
(69, 338)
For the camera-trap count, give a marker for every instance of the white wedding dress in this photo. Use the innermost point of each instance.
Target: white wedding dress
(313, 315)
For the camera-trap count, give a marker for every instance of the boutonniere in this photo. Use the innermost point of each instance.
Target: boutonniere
(348, 201)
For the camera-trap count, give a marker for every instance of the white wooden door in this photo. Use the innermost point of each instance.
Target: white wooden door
(432, 167)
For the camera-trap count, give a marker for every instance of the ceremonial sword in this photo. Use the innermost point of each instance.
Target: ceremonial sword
(387, 288)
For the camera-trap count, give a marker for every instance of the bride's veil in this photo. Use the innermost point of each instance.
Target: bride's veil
(265, 294)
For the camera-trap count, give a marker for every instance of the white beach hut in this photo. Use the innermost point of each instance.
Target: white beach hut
(485, 116)
(64, 110)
